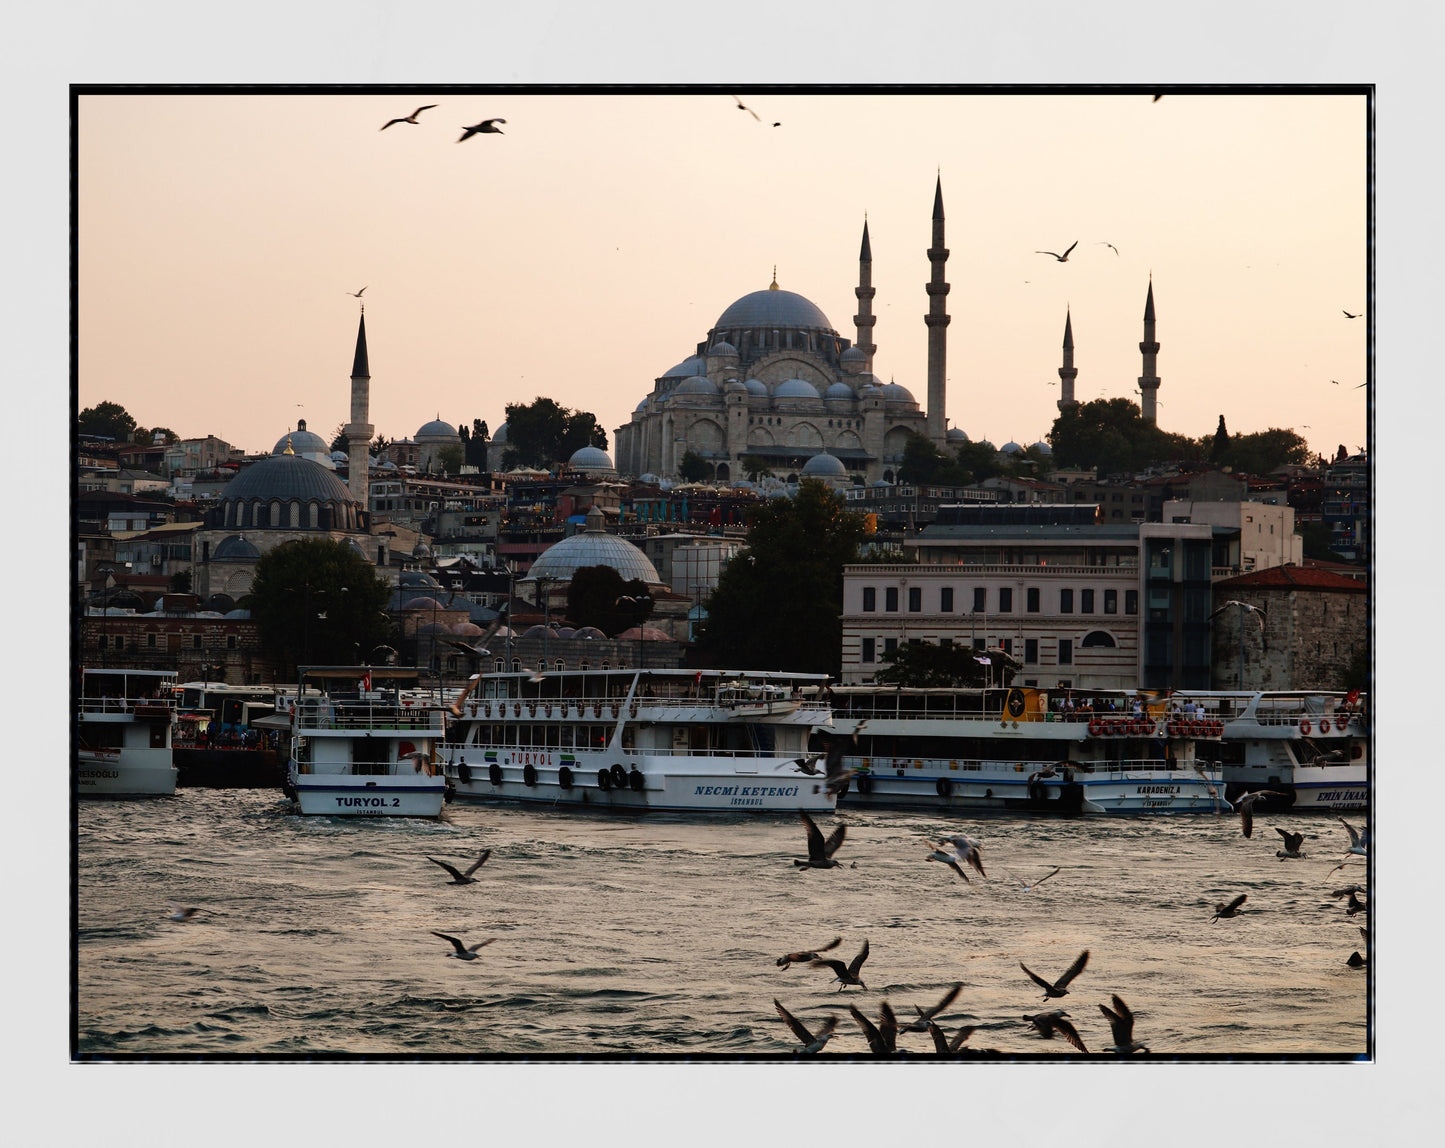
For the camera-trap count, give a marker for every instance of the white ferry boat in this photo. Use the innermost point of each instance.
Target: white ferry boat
(1012, 749)
(123, 734)
(1312, 745)
(690, 740)
(361, 746)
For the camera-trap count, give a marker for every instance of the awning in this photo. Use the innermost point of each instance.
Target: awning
(272, 721)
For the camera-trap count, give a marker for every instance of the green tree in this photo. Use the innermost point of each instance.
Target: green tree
(778, 604)
(1219, 445)
(448, 459)
(475, 453)
(338, 438)
(755, 467)
(693, 467)
(599, 596)
(110, 420)
(181, 582)
(317, 601)
(1263, 451)
(1112, 436)
(543, 432)
(924, 664)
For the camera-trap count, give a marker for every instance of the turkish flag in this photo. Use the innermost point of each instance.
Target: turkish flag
(366, 681)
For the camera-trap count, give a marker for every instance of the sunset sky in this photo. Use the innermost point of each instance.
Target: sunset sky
(590, 246)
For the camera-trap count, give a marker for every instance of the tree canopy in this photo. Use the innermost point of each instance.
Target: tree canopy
(544, 432)
(927, 664)
(598, 596)
(693, 467)
(779, 603)
(110, 420)
(317, 601)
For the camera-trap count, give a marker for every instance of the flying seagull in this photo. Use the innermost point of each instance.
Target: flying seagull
(419, 758)
(946, 1047)
(1356, 315)
(812, 1041)
(483, 128)
(883, 1039)
(459, 878)
(1040, 881)
(411, 119)
(354, 295)
(925, 1019)
(1048, 1023)
(820, 852)
(1359, 842)
(750, 111)
(1059, 987)
(1121, 1023)
(1292, 842)
(799, 958)
(1245, 805)
(463, 952)
(1105, 243)
(965, 849)
(1229, 910)
(1064, 258)
(183, 913)
(1355, 905)
(1348, 891)
(845, 974)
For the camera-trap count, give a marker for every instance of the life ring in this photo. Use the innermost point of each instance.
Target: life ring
(616, 709)
(486, 709)
(474, 709)
(564, 777)
(636, 780)
(1096, 727)
(531, 709)
(464, 771)
(548, 709)
(1173, 729)
(1324, 725)
(516, 709)
(865, 783)
(619, 776)
(632, 708)
(529, 775)
(494, 773)
(1219, 729)
(944, 787)
(596, 709)
(604, 779)
(1304, 726)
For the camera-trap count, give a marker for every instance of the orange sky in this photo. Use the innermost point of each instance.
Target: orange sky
(589, 247)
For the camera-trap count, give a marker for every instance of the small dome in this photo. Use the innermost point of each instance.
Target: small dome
(422, 603)
(722, 347)
(686, 369)
(589, 634)
(696, 385)
(235, 549)
(796, 389)
(956, 435)
(985, 442)
(853, 355)
(839, 390)
(895, 393)
(409, 579)
(388, 465)
(339, 456)
(237, 613)
(825, 466)
(757, 387)
(434, 628)
(467, 630)
(642, 406)
(1042, 448)
(590, 458)
(593, 546)
(1011, 448)
(437, 429)
(649, 479)
(539, 631)
(221, 603)
(500, 435)
(421, 550)
(734, 386)
(301, 441)
(566, 632)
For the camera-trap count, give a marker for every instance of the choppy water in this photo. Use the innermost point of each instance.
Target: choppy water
(625, 936)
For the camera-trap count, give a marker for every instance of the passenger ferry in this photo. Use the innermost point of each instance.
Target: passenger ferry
(123, 733)
(1019, 749)
(637, 739)
(362, 745)
(1310, 744)
(227, 736)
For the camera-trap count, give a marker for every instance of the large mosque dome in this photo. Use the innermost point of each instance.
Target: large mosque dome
(773, 307)
(302, 441)
(592, 547)
(286, 491)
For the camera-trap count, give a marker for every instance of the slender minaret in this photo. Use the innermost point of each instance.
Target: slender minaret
(359, 430)
(1067, 373)
(864, 320)
(1149, 381)
(937, 320)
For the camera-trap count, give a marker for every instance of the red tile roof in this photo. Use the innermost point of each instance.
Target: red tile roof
(1293, 578)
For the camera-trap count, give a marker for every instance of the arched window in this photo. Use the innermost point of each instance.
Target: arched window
(1100, 638)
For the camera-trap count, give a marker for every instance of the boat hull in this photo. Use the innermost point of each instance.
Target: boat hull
(333, 795)
(135, 773)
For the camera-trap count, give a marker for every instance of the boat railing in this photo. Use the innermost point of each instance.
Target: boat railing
(366, 716)
(142, 706)
(608, 709)
(931, 765)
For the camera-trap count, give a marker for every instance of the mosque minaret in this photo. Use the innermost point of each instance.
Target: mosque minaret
(863, 321)
(1067, 373)
(1149, 380)
(937, 321)
(359, 430)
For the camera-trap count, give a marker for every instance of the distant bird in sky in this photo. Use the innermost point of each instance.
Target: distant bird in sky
(1104, 243)
(1229, 910)
(926, 1018)
(483, 128)
(812, 1041)
(1060, 987)
(1053, 1021)
(820, 852)
(1292, 842)
(750, 111)
(458, 877)
(845, 974)
(411, 119)
(1121, 1023)
(1245, 805)
(1355, 315)
(812, 955)
(463, 952)
(354, 295)
(1064, 258)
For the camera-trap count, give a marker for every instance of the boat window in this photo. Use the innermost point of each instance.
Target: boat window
(565, 733)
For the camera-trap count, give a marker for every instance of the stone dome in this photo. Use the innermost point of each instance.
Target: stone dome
(853, 355)
(302, 441)
(412, 578)
(589, 633)
(838, 390)
(339, 456)
(437, 429)
(722, 347)
(590, 458)
(1043, 448)
(757, 388)
(824, 465)
(734, 386)
(423, 603)
(773, 307)
(1011, 448)
(642, 406)
(283, 477)
(956, 435)
(500, 435)
(234, 548)
(592, 547)
(686, 369)
(697, 385)
(467, 630)
(895, 393)
(796, 389)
